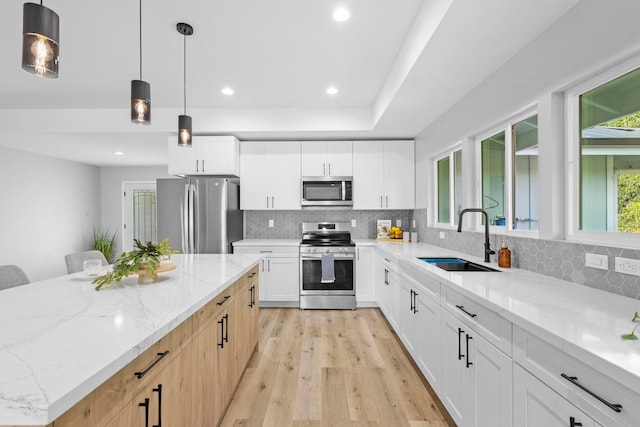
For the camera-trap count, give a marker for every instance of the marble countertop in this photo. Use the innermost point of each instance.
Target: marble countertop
(60, 339)
(583, 321)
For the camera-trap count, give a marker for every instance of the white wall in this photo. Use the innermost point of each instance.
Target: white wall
(111, 179)
(49, 208)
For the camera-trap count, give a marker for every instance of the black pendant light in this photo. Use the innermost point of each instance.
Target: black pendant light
(40, 40)
(140, 92)
(184, 122)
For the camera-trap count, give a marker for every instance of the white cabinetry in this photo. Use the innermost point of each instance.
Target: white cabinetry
(270, 175)
(279, 273)
(389, 296)
(535, 404)
(365, 274)
(383, 175)
(208, 155)
(330, 158)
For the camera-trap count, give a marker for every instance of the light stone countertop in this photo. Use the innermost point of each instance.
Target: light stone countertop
(60, 339)
(583, 321)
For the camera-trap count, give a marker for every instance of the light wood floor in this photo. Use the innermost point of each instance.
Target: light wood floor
(334, 368)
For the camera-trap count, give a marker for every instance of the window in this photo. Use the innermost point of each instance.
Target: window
(609, 156)
(449, 187)
(510, 182)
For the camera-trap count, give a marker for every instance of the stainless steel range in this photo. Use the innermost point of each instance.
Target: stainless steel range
(327, 266)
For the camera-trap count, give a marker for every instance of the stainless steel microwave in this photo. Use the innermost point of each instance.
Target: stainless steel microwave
(326, 191)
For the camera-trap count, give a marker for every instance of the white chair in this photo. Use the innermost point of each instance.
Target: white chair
(75, 262)
(11, 276)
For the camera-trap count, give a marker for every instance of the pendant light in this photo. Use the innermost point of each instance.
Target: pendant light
(40, 40)
(184, 122)
(140, 92)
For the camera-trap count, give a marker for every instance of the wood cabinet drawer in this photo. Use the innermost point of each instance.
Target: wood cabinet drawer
(570, 377)
(493, 327)
(213, 307)
(106, 401)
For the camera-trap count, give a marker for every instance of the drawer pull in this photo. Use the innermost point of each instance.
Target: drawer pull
(574, 423)
(460, 355)
(224, 300)
(574, 380)
(461, 308)
(155, 362)
(252, 274)
(468, 338)
(266, 252)
(159, 391)
(146, 411)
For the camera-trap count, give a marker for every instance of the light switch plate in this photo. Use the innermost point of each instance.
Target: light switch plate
(628, 266)
(399, 223)
(353, 223)
(596, 261)
(442, 234)
(270, 223)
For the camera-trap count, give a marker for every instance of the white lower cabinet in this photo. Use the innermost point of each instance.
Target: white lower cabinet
(477, 377)
(535, 404)
(365, 274)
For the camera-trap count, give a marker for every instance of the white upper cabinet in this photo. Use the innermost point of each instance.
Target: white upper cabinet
(270, 175)
(383, 175)
(330, 158)
(208, 155)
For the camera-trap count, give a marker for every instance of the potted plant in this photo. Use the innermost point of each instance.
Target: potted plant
(104, 241)
(144, 260)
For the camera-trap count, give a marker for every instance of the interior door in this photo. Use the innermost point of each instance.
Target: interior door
(139, 219)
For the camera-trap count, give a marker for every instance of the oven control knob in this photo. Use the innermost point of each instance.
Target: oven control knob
(326, 251)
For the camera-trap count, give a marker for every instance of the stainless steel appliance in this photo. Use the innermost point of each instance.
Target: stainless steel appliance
(199, 215)
(326, 191)
(327, 266)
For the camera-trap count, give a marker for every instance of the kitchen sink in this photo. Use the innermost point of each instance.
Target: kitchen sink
(456, 264)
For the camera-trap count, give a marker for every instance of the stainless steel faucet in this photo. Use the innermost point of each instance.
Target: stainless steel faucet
(487, 246)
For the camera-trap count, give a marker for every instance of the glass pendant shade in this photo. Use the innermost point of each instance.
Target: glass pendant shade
(140, 102)
(184, 130)
(40, 38)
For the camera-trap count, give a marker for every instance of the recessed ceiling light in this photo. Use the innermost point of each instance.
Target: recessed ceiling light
(332, 90)
(341, 14)
(227, 91)
(119, 153)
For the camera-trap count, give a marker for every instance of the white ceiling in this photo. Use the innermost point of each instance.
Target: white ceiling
(398, 65)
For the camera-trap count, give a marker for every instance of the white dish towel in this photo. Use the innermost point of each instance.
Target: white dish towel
(328, 271)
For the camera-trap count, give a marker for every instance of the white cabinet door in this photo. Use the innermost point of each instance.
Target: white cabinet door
(399, 175)
(217, 155)
(254, 170)
(339, 158)
(366, 274)
(535, 404)
(283, 278)
(313, 158)
(394, 293)
(410, 318)
(284, 175)
(383, 175)
(429, 355)
(368, 178)
(382, 285)
(182, 160)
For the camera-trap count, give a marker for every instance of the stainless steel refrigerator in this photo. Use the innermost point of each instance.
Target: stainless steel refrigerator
(199, 215)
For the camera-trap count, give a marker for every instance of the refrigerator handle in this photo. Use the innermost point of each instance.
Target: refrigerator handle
(192, 219)
(185, 220)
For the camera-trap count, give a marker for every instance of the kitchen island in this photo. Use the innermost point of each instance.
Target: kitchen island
(60, 339)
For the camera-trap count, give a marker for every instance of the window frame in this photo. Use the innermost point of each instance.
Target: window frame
(507, 127)
(448, 153)
(573, 158)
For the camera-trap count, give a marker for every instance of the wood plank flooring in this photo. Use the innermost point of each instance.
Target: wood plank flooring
(337, 368)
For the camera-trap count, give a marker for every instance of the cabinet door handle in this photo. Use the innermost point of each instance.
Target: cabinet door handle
(460, 355)
(267, 202)
(146, 411)
(268, 266)
(224, 299)
(329, 169)
(159, 357)
(250, 297)
(387, 200)
(467, 357)
(226, 328)
(461, 308)
(415, 302)
(411, 301)
(574, 380)
(197, 169)
(381, 201)
(221, 323)
(202, 165)
(159, 391)
(273, 205)
(324, 169)
(574, 423)
(386, 277)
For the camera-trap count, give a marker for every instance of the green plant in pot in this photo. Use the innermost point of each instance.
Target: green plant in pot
(104, 241)
(144, 261)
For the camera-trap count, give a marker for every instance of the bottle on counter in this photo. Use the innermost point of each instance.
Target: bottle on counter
(504, 255)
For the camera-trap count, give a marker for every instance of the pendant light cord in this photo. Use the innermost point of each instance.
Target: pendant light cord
(185, 73)
(140, 39)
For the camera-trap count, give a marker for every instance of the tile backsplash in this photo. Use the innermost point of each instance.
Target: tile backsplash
(560, 259)
(288, 224)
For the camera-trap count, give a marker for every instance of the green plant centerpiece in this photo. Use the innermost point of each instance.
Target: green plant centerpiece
(104, 241)
(632, 335)
(144, 261)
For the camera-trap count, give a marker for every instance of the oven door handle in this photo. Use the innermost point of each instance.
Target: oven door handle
(319, 256)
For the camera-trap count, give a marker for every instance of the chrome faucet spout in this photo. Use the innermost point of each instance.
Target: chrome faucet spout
(487, 246)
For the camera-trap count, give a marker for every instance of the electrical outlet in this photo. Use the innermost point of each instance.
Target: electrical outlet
(442, 234)
(270, 223)
(628, 266)
(353, 223)
(399, 223)
(596, 261)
